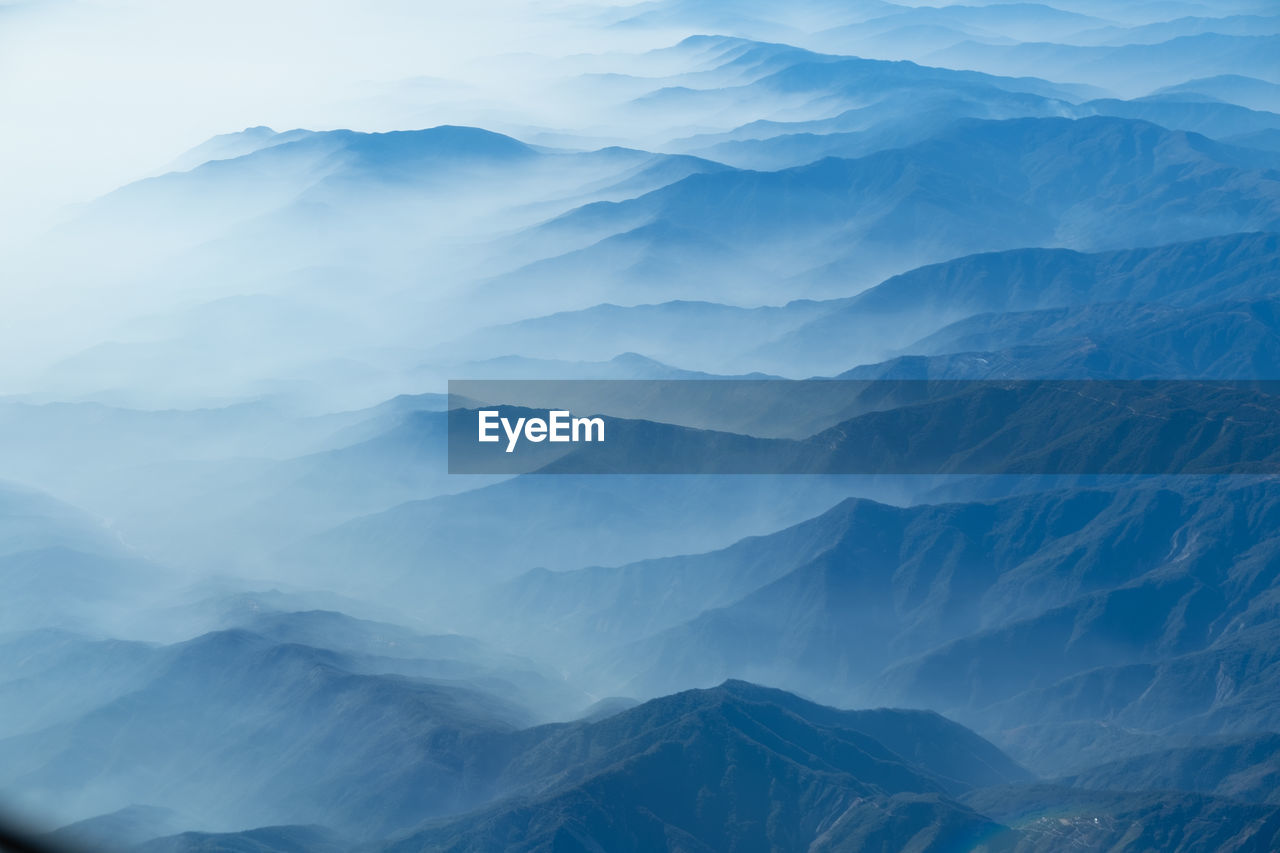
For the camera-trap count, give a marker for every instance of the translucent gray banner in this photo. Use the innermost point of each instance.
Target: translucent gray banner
(1049, 427)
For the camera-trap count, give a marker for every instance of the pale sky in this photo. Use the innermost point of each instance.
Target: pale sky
(96, 93)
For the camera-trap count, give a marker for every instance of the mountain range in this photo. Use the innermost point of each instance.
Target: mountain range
(853, 779)
(251, 601)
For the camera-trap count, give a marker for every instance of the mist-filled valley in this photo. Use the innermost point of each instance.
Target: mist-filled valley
(248, 603)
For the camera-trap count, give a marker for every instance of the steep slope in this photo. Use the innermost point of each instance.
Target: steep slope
(264, 249)
(1129, 69)
(234, 511)
(238, 189)
(1246, 768)
(192, 738)
(558, 611)
(1116, 340)
(888, 124)
(1161, 31)
(380, 648)
(698, 335)
(60, 567)
(437, 548)
(1247, 91)
(341, 175)
(1018, 21)
(981, 186)
(1051, 818)
(813, 337)
(1000, 612)
(271, 839)
(899, 311)
(119, 830)
(1211, 118)
(50, 676)
(1124, 708)
(700, 770)
(726, 768)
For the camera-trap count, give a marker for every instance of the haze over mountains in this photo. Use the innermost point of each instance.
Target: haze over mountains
(245, 606)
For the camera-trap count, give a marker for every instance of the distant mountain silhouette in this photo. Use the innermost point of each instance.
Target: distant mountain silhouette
(1099, 341)
(1161, 31)
(1234, 89)
(901, 310)
(227, 146)
(697, 771)
(61, 568)
(998, 22)
(567, 522)
(806, 337)
(685, 333)
(835, 224)
(194, 733)
(272, 839)
(1128, 69)
(1218, 120)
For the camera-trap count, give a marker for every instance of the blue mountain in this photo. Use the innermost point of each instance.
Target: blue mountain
(1233, 89)
(703, 335)
(1112, 340)
(1129, 69)
(271, 839)
(1063, 611)
(1213, 118)
(697, 770)
(892, 316)
(1000, 21)
(212, 703)
(1190, 25)
(567, 521)
(61, 568)
(1054, 818)
(1242, 768)
(261, 616)
(840, 223)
